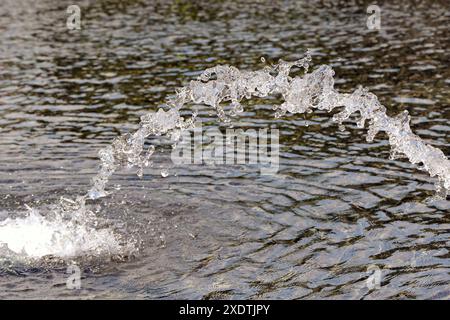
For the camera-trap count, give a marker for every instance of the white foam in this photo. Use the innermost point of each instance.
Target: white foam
(36, 236)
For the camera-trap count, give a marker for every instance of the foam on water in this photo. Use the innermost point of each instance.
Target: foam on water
(68, 232)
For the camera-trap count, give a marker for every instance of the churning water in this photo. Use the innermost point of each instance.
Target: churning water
(341, 203)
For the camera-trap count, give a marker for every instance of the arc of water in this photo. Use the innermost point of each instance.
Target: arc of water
(301, 94)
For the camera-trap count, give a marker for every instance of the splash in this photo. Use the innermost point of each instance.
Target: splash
(74, 230)
(301, 94)
(70, 230)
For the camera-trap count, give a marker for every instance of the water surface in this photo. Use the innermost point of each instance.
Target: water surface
(337, 206)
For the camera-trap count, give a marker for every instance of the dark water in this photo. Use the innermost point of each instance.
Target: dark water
(338, 204)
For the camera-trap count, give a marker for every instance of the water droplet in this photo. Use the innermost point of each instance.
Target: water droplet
(140, 172)
(164, 173)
